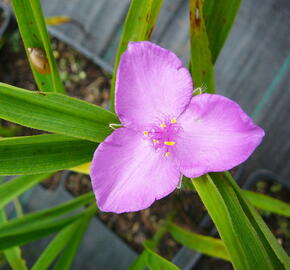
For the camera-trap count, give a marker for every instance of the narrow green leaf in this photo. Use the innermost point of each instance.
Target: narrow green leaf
(47, 153)
(219, 17)
(55, 112)
(140, 262)
(33, 31)
(45, 216)
(200, 56)
(56, 246)
(234, 228)
(156, 262)
(276, 253)
(267, 203)
(12, 255)
(138, 26)
(201, 243)
(18, 185)
(21, 236)
(68, 255)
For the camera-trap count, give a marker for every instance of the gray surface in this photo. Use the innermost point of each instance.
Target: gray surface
(99, 250)
(249, 69)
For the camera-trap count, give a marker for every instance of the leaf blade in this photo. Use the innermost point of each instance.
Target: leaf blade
(33, 31)
(47, 153)
(233, 227)
(219, 17)
(56, 113)
(201, 66)
(17, 186)
(201, 243)
(267, 203)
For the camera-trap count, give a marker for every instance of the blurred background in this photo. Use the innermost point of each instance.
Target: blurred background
(253, 69)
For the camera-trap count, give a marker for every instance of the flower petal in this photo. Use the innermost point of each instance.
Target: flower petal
(151, 85)
(129, 175)
(217, 136)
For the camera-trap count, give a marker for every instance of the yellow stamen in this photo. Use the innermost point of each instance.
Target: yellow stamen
(169, 143)
(173, 120)
(155, 141)
(145, 133)
(163, 125)
(167, 154)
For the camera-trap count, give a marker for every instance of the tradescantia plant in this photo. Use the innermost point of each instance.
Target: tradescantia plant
(162, 132)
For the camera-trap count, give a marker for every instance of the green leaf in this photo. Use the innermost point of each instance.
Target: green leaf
(200, 55)
(267, 203)
(68, 255)
(140, 262)
(49, 215)
(20, 236)
(201, 243)
(156, 262)
(47, 153)
(240, 238)
(138, 26)
(12, 255)
(276, 253)
(219, 17)
(55, 112)
(13, 188)
(34, 34)
(56, 246)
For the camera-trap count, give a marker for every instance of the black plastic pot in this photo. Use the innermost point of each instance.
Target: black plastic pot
(5, 12)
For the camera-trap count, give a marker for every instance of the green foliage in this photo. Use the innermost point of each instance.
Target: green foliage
(156, 262)
(15, 187)
(138, 26)
(42, 223)
(55, 112)
(232, 223)
(12, 255)
(201, 66)
(201, 243)
(246, 240)
(34, 35)
(68, 239)
(267, 203)
(47, 153)
(219, 17)
(67, 256)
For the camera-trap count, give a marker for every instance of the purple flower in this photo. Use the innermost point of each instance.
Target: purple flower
(167, 132)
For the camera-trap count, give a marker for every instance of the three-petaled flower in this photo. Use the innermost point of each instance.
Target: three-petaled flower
(167, 132)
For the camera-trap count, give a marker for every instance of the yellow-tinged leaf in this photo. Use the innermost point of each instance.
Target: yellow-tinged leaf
(83, 168)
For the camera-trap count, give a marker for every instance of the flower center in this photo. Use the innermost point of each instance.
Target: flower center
(162, 135)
